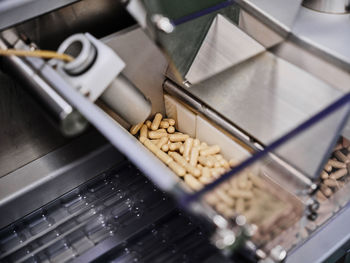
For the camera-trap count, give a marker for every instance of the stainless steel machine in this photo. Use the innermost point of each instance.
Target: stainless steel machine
(267, 81)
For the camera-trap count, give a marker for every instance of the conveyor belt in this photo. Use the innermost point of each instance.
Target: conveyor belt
(119, 215)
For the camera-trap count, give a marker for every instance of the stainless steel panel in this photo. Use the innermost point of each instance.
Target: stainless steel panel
(145, 64)
(277, 14)
(266, 96)
(326, 34)
(224, 46)
(52, 175)
(14, 12)
(25, 132)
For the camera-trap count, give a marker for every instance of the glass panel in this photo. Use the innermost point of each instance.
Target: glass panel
(274, 194)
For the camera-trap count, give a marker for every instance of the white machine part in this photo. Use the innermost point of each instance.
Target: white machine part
(96, 72)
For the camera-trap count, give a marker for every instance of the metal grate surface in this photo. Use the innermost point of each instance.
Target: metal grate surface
(118, 216)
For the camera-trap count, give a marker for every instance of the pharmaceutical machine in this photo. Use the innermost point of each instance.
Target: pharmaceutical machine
(256, 93)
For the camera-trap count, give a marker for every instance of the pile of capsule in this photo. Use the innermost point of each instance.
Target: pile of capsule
(334, 174)
(196, 162)
(199, 164)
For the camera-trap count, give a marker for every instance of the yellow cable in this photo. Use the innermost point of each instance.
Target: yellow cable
(36, 53)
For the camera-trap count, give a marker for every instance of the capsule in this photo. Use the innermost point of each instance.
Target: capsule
(224, 164)
(328, 168)
(178, 137)
(194, 156)
(203, 146)
(233, 162)
(181, 150)
(143, 133)
(171, 129)
(165, 148)
(162, 141)
(135, 128)
(338, 174)
(193, 183)
(331, 182)
(225, 198)
(157, 134)
(178, 169)
(178, 158)
(326, 190)
(161, 155)
(205, 179)
(148, 124)
(164, 124)
(205, 161)
(240, 194)
(196, 143)
(210, 150)
(156, 121)
(175, 146)
(337, 164)
(324, 175)
(187, 148)
(240, 206)
(341, 157)
(170, 121)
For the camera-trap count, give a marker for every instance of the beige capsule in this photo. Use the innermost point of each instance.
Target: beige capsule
(320, 196)
(326, 190)
(210, 150)
(199, 166)
(225, 210)
(205, 161)
(338, 174)
(178, 137)
(240, 193)
(256, 180)
(193, 183)
(224, 164)
(164, 124)
(194, 156)
(324, 175)
(203, 146)
(196, 143)
(170, 121)
(157, 134)
(240, 206)
(178, 158)
(155, 141)
(143, 133)
(162, 141)
(233, 162)
(178, 169)
(165, 148)
(160, 154)
(181, 150)
(206, 172)
(175, 146)
(336, 164)
(135, 128)
(187, 148)
(341, 157)
(217, 172)
(211, 198)
(148, 124)
(331, 183)
(171, 129)
(156, 121)
(328, 168)
(206, 180)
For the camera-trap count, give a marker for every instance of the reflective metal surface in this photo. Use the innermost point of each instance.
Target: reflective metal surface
(224, 46)
(326, 35)
(14, 12)
(266, 96)
(100, 18)
(328, 6)
(46, 178)
(25, 132)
